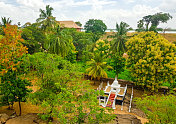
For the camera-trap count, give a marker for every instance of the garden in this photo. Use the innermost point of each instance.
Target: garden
(53, 73)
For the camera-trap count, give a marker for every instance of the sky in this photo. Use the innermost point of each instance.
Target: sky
(110, 11)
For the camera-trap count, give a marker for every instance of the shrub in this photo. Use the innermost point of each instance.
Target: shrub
(159, 109)
(151, 60)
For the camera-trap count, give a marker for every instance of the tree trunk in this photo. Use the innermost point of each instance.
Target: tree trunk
(117, 75)
(19, 107)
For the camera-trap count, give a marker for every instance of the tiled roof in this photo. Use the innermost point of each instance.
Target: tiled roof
(69, 24)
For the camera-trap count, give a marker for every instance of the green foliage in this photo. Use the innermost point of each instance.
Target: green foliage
(46, 21)
(118, 63)
(97, 67)
(71, 56)
(171, 86)
(13, 88)
(82, 42)
(125, 75)
(59, 43)
(1, 36)
(159, 109)
(60, 96)
(82, 66)
(95, 26)
(5, 21)
(119, 39)
(151, 60)
(34, 39)
(78, 23)
(54, 72)
(153, 20)
(1, 31)
(102, 47)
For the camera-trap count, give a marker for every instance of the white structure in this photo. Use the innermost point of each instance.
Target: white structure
(131, 100)
(115, 85)
(115, 90)
(111, 98)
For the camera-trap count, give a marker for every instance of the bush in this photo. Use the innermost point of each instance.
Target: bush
(60, 95)
(151, 60)
(159, 109)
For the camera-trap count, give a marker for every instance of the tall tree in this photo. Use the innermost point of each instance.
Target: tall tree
(150, 22)
(11, 49)
(5, 21)
(97, 27)
(120, 37)
(151, 60)
(60, 44)
(12, 87)
(46, 20)
(97, 67)
(34, 38)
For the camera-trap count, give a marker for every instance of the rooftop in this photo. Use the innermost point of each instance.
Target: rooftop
(69, 24)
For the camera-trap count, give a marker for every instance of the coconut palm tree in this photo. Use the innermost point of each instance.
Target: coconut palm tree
(60, 44)
(46, 21)
(97, 67)
(118, 43)
(5, 21)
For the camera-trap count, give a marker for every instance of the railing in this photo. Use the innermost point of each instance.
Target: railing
(131, 99)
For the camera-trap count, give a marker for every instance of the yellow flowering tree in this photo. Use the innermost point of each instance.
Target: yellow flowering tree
(102, 47)
(151, 60)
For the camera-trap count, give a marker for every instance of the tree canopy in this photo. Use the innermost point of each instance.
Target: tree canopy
(119, 38)
(95, 26)
(5, 21)
(11, 49)
(151, 60)
(78, 23)
(46, 20)
(150, 22)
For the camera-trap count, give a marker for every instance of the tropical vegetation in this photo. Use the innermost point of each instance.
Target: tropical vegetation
(58, 58)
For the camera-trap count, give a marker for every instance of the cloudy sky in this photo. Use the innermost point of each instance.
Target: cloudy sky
(110, 11)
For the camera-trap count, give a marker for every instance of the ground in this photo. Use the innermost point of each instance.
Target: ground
(169, 36)
(127, 116)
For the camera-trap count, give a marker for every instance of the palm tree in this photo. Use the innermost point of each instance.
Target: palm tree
(46, 20)
(97, 67)
(118, 43)
(5, 21)
(60, 44)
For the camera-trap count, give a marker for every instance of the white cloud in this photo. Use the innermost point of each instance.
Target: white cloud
(21, 14)
(129, 1)
(111, 16)
(168, 5)
(31, 3)
(110, 11)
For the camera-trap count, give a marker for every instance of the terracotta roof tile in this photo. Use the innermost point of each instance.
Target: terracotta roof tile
(69, 24)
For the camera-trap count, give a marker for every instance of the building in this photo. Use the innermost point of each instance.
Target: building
(69, 24)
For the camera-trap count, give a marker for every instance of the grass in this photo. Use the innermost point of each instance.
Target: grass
(111, 74)
(123, 75)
